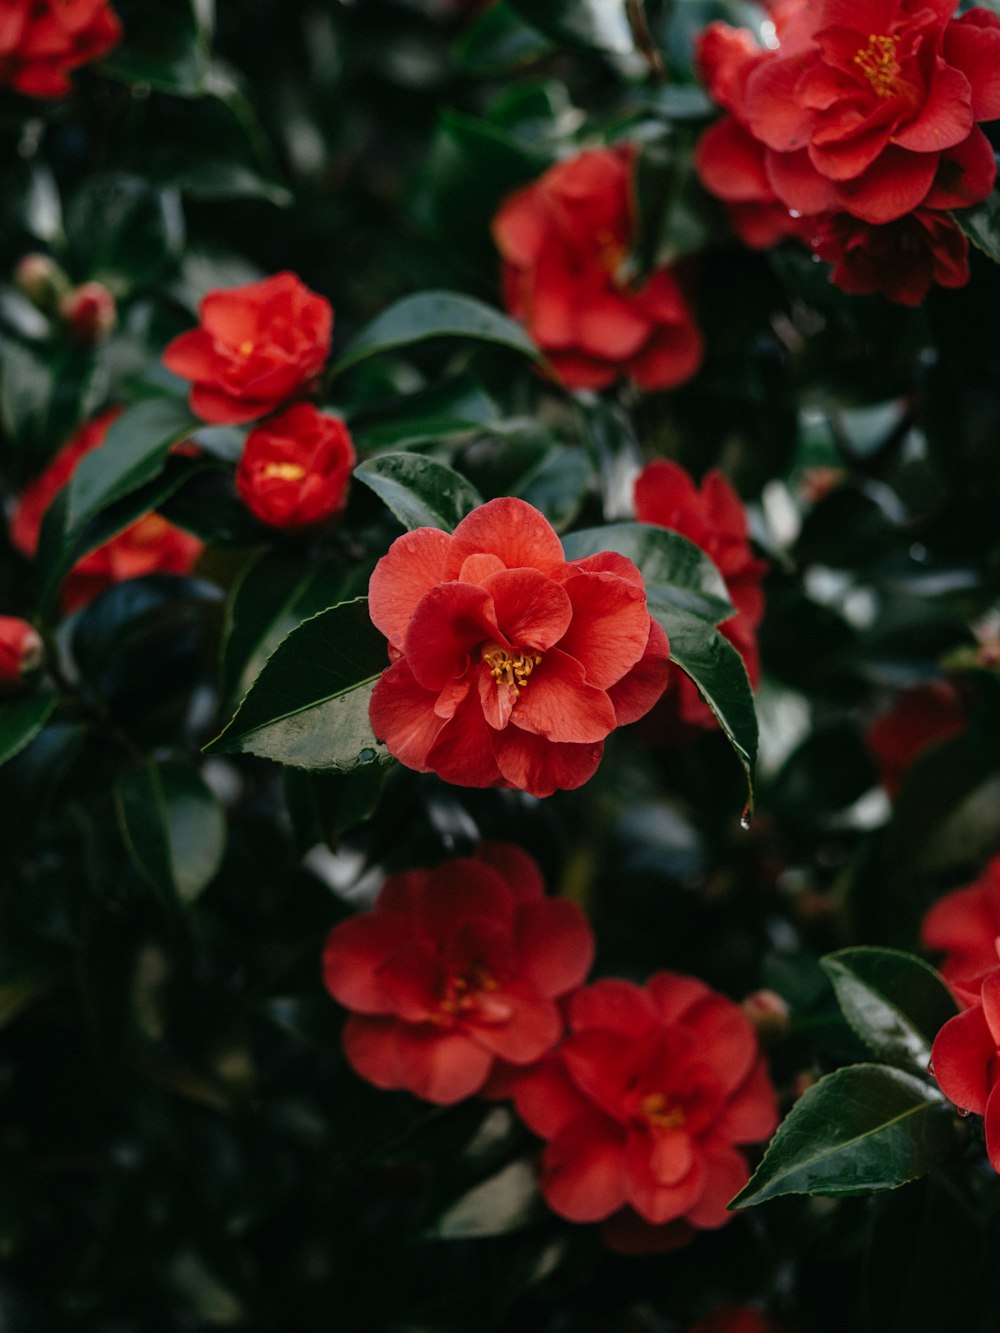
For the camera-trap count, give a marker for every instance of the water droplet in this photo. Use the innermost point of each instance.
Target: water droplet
(963, 1113)
(746, 818)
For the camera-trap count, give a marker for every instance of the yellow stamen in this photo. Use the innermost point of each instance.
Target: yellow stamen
(510, 668)
(660, 1112)
(283, 471)
(246, 347)
(877, 62)
(460, 992)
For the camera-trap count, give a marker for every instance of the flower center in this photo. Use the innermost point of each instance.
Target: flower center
(610, 253)
(510, 668)
(283, 471)
(660, 1112)
(877, 62)
(246, 347)
(463, 992)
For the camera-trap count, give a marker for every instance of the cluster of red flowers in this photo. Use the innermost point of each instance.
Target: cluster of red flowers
(257, 348)
(458, 981)
(565, 241)
(857, 132)
(149, 545)
(43, 41)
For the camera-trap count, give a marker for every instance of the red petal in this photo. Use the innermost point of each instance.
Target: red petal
(652, 1199)
(540, 767)
(413, 564)
(965, 174)
(892, 186)
(617, 1006)
(463, 751)
(774, 114)
(945, 118)
(441, 1066)
(223, 409)
(798, 184)
(671, 356)
(726, 1038)
(726, 1174)
(972, 43)
(638, 691)
(511, 529)
(730, 162)
(446, 630)
(751, 1114)
(532, 611)
(992, 1127)
(370, 1048)
(583, 1170)
(459, 889)
(353, 952)
(191, 355)
(609, 629)
(533, 1029)
(555, 945)
(518, 870)
(961, 1057)
(546, 1098)
(520, 226)
(402, 715)
(559, 705)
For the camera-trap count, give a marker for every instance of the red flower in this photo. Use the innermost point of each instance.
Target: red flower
(870, 107)
(42, 41)
(149, 545)
(964, 925)
(295, 468)
(256, 347)
(735, 1319)
(454, 970)
(900, 259)
(966, 1060)
(564, 240)
(510, 664)
(714, 519)
(89, 312)
(919, 718)
(644, 1102)
(21, 651)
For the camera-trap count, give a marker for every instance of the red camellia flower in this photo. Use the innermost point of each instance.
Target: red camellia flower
(713, 518)
(295, 468)
(510, 664)
(256, 347)
(964, 926)
(920, 717)
(965, 1058)
(900, 259)
(644, 1102)
(42, 41)
(455, 970)
(148, 546)
(871, 107)
(564, 241)
(21, 651)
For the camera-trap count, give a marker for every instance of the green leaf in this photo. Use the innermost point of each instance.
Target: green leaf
(498, 42)
(420, 491)
(166, 46)
(123, 231)
(600, 25)
(325, 806)
(982, 225)
(21, 720)
(859, 1129)
(676, 218)
(309, 705)
(173, 828)
(895, 1002)
(504, 1203)
(557, 485)
(435, 315)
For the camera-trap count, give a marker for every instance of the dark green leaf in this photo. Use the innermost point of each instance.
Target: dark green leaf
(123, 231)
(165, 47)
(506, 1202)
(420, 491)
(435, 315)
(557, 485)
(982, 225)
(21, 720)
(309, 705)
(858, 1129)
(499, 41)
(895, 1002)
(173, 827)
(324, 806)
(676, 218)
(600, 25)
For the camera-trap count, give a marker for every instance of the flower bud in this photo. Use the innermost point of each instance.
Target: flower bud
(41, 280)
(21, 652)
(89, 313)
(768, 1012)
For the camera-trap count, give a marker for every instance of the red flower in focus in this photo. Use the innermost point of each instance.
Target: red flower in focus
(510, 665)
(455, 969)
(564, 240)
(964, 925)
(148, 546)
(900, 259)
(295, 468)
(644, 1102)
(870, 107)
(735, 1319)
(21, 651)
(256, 347)
(713, 518)
(966, 1060)
(42, 41)
(919, 718)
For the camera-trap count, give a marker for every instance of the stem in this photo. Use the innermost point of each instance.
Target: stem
(643, 37)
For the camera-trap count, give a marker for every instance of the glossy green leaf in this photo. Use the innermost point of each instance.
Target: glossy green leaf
(324, 806)
(895, 1002)
(123, 231)
(557, 485)
(504, 1203)
(859, 1129)
(435, 315)
(166, 46)
(600, 25)
(173, 828)
(21, 719)
(982, 225)
(499, 41)
(309, 705)
(420, 491)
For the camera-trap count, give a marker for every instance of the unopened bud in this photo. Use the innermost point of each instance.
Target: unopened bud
(768, 1012)
(41, 280)
(89, 313)
(21, 652)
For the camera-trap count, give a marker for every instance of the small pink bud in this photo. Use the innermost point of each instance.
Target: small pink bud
(41, 280)
(89, 313)
(768, 1012)
(21, 651)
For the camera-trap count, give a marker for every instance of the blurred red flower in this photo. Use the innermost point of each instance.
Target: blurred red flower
(713, 518)
(965, 1058)
(20, 651)
(900, 259)
(255, 347)
(296, 467)
(510, 665)
(150, 545)
(454, 970)
(964, 925)
(644, 1102)
(919, 717)
(735, 1319)
(43, 41)
(564, 241)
